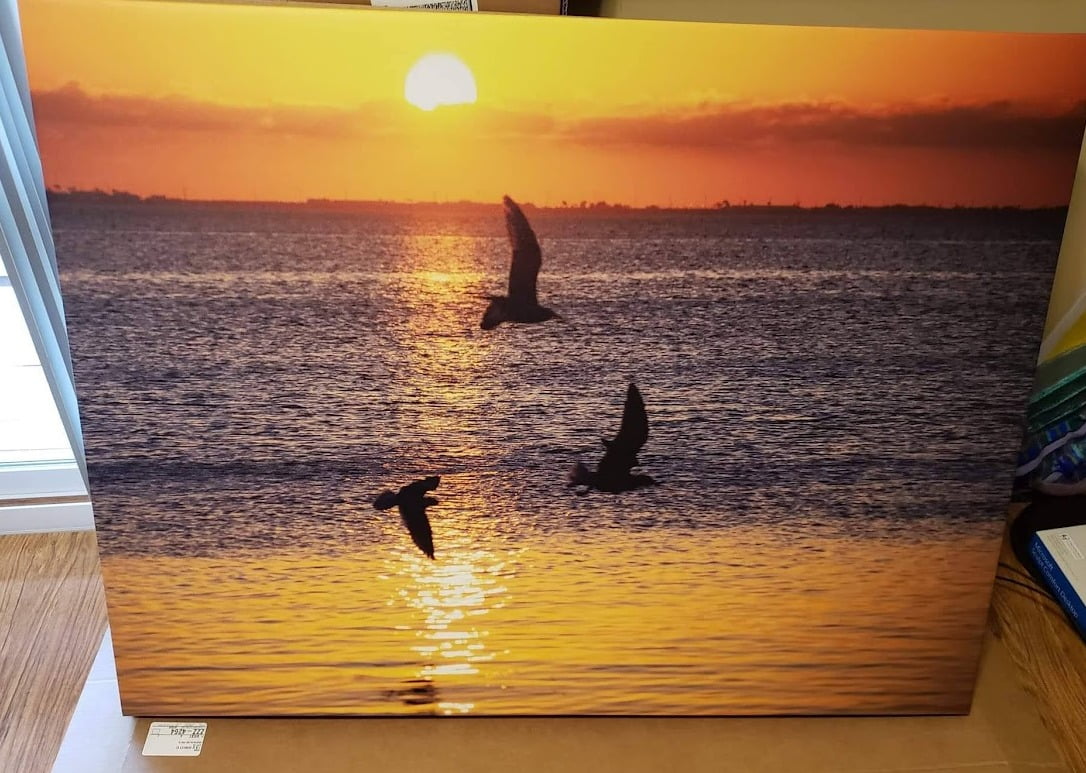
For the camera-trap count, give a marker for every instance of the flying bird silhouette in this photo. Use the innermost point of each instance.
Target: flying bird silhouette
(522, 304)
(613, 471)
(412, 503)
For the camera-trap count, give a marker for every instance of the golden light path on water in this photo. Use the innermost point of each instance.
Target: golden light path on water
(454, 599)
(454, 595)
(739, 621)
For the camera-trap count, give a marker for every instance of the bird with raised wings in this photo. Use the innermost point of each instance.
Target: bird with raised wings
(412, 503)
(522, 303)
(613, 473)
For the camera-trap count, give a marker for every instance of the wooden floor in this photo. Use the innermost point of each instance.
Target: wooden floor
(1049, 655)
(52, 617)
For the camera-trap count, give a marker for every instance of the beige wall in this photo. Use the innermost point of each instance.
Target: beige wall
(1069, 292)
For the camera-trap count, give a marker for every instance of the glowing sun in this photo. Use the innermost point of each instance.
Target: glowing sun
(439, 79)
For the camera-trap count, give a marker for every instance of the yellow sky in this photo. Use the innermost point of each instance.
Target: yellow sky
(265, 102)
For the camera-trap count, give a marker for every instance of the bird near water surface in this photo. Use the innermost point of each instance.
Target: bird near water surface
(412, 501)
(613, 473)
(522, 303)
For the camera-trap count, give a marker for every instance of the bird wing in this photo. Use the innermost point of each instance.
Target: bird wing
(413, 502)
(635, 422)
(413, 514)
(527, 257)
(621, 455)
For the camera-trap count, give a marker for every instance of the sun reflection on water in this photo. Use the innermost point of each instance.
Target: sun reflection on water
(451, 600)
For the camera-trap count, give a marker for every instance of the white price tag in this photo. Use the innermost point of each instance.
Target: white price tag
(437, 5)
(175, 739)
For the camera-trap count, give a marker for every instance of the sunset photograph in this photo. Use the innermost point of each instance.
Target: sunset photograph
(484, 364)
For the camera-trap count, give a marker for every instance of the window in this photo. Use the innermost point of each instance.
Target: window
(37, 467)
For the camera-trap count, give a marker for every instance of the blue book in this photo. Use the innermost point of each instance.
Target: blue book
(1060, 555)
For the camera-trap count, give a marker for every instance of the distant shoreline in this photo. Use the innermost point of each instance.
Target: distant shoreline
(98, 197)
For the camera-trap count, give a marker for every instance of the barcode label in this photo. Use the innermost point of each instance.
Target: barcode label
(175, 739)
(1072, 548)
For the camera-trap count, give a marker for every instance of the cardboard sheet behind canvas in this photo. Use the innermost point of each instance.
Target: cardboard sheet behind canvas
(823, 256)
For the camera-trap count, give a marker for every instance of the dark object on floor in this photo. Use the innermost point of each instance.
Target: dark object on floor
(1044, 512)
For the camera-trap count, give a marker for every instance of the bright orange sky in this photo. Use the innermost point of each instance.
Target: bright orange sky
(284, 103)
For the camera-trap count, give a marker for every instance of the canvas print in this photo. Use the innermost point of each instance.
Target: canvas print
(467, 364)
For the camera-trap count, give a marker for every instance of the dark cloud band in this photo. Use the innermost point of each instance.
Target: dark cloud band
(991, 126)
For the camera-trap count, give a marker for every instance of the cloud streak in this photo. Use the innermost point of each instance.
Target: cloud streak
(1001, 126)
(994, 125)
(72, 106)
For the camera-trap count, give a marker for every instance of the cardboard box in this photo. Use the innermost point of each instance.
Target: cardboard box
(1003, 734)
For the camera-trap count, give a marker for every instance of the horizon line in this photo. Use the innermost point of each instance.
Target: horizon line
(583, 205)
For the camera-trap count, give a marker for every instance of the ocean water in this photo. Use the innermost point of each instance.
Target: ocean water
(834, 401)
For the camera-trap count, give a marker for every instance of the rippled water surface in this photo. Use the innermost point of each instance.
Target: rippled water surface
(834, 401)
